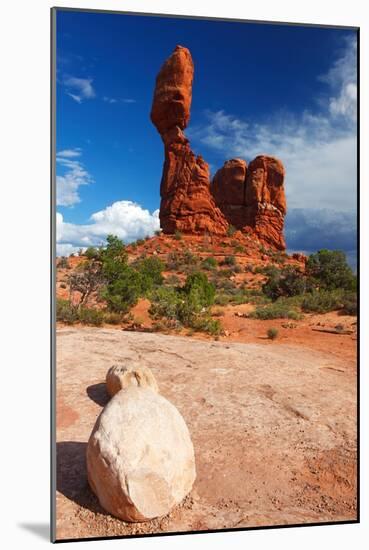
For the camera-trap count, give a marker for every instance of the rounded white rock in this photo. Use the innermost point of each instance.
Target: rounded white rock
(140, 457)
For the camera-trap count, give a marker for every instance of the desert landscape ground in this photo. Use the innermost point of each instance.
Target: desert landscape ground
(273, 427)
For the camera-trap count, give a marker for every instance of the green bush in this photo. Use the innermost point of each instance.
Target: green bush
(123, 292)
(113, 317)
(330, 270)
(177, 235)
(350, 303)
(284, 282)
(272, 333)
(172, 280)
(229, 260)
(323, 301)
(92, 253)
(198, 283)
(207, 324)
(276, 310)
(151, 271)
(209, 264)
(164, 303)
(91, 316)
(66, 312)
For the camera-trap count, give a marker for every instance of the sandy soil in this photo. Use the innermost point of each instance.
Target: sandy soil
(273, 425)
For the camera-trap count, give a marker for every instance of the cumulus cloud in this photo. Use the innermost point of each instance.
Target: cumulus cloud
(79, 88)
(75, 175)
(126, 219)
(317, 148)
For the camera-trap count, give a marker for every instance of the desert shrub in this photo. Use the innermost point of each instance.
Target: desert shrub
(231, 230)
(86, 279)
(239, 248)
(164, 303)
(207, 324)
(284, 282)
(123, 292)
(113, 317)
(229, 260)
(249, 268)
(91, 316)
(188, 258)
(222, 299)
(198, 283)
(272, 333)
(172, 280)
(209, 264)
(350, 303)
(237, 269)
(158, 232)
(66, 312)
(92, 253)
(151, 270)
(140, 242)
(173, 261)
(177, 235)
(62, 263)
(323, 301)
(330, 270)
(275, 310)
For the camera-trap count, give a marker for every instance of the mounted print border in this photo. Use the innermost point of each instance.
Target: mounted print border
(205, 274)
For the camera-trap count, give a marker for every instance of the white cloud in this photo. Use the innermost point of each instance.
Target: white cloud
(126, 219)
(67, 185)
(318, 150)
(79, 88)
(108, 99)
(69, 153)
(342, 79)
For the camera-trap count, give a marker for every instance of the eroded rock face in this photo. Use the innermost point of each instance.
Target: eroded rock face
(121, 377)
(140, 458)
(187, 204)
(265, 199)
(228, 188)
(253, 197)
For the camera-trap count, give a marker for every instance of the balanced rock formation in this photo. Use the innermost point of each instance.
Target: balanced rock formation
(140, 458)
(187, 204)
(253, 198)
(120, 377)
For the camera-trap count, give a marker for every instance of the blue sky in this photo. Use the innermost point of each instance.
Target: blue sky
(287, 91)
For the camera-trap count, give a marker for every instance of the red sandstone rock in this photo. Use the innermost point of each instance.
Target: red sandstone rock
(265, 181)
(265, 198)
(173, 92)
(187, 204)
(228, 187)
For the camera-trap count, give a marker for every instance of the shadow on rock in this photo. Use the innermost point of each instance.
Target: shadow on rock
(71, 475)
(98, 393)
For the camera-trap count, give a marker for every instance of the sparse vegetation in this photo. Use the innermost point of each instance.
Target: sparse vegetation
(177, 235)
(63, 263)
(231, 230)
(272, 333)
(209, 264)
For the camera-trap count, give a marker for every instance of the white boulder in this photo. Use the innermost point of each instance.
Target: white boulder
(140, 458)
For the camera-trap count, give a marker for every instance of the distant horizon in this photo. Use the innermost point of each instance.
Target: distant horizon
(300, 107)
